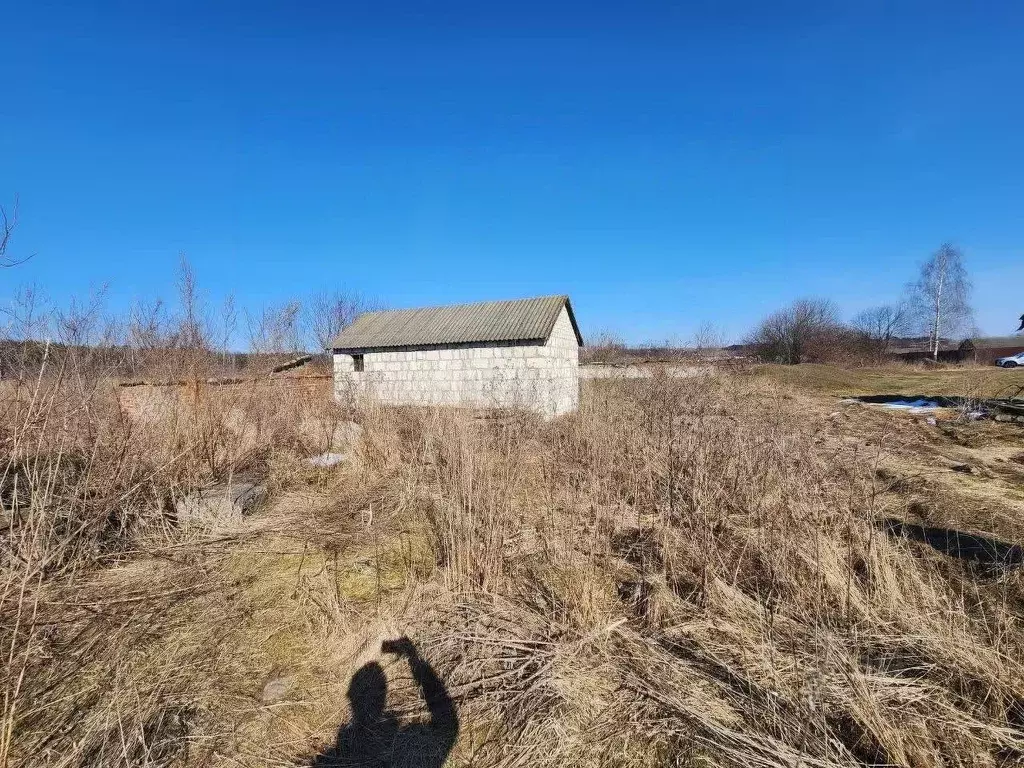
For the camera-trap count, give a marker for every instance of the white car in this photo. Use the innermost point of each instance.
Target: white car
(1012, 361)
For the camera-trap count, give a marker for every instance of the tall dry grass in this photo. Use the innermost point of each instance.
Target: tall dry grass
(101, 577)
(685, 572)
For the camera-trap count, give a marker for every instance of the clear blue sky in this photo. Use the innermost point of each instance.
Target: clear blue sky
(665, 164)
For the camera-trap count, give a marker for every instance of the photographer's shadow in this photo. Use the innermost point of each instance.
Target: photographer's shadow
(375, 737)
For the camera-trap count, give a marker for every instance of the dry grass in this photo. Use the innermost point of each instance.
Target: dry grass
(962, 380)
(686, 572)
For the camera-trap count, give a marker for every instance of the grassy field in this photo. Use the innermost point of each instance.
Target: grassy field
(984, 381)
(690, 572)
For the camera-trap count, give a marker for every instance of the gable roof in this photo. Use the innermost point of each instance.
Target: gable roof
(997, 342)
(518, 320)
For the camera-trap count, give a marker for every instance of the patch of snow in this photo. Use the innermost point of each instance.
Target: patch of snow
(914, 406)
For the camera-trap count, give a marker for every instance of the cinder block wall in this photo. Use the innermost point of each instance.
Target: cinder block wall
(542, 377)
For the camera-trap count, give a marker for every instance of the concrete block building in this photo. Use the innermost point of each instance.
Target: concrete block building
(495, 354)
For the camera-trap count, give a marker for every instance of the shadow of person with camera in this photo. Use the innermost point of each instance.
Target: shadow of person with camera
(375, 737)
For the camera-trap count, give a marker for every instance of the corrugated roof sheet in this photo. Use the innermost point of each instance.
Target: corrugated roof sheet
(998, 342)
(516, 320)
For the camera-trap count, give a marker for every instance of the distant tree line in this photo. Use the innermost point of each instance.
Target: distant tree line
(934, 306)
(183, 336)
(189, 333)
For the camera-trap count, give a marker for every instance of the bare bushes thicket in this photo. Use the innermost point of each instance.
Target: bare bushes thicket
(809, 330)
(605, 347)
(685, 572)
(102, 658)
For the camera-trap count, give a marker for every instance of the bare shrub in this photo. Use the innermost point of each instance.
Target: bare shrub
(276, 329)
(149, 333)
(809, 330)
(708, 339)
(329, 313)
(606, 347)
(877, 327)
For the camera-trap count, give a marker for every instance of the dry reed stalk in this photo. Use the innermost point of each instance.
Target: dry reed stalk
(685, 572)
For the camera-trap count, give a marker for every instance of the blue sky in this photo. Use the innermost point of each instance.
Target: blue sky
(664, 164)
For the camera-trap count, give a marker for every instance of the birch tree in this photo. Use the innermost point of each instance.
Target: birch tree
(941, 296)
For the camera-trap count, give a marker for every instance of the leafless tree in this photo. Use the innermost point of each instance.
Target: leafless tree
(709, 338)
(878, 326)
(7, 225)
(27, 328)
(808, 329)
(228, 327)
(192, 323)
(149, 328)
(606, 346)
(91, 339)
(29, 316)
(81, 324)
(276, 329)
(327, 314)
(941, 297)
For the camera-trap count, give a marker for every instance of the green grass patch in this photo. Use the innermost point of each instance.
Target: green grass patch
(965, 381)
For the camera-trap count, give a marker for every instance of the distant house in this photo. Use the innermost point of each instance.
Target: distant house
(981, 349)
(919, 349)
(986, 349)
(495, 354)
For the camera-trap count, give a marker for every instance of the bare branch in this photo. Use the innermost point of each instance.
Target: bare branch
(878, 326)
(276, 329)
(328, 314)
(7, 226)
(808, 329)
(709, 338)
(192, 326)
